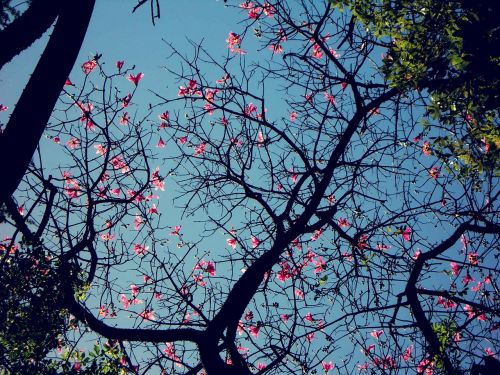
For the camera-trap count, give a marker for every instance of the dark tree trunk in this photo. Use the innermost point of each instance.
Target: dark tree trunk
(32, 112)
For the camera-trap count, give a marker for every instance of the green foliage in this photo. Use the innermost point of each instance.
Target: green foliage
(451, 49)
(31, 310)
(445, 332)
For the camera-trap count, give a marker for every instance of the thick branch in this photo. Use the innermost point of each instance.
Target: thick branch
(26, 29)
(32, 112)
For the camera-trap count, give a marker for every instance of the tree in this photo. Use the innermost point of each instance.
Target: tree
(331, 240)
(450, 49)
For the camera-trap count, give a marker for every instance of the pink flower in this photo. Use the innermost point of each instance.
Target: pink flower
(134, 289)
(137, 222)
(260, 139)
(234, 43)
(199, 280)
(310, 337)
(343, 85)
(309, 317)
(426, 150)
(342, 222)
(490, 352)
(327, 366)
(455, 268)
(285, 318)
(254, 331)
(231, 242)
(319, 265)
(299, 293)
(176, 230)
(316, 51)
(250, 109)
(317, 234)
(161, 143)
(124, 119)
(125, 301)
(255, 242)
(126, 100)
(119, 64)
(425, 366)
(472, 257)
(73, 143)
(153, 209)
(140, 249)
(407, 234)
(118, 163)
(88, 66)
(135, 78)
(330, 99)
(376, 334)
(183, 140)
(100, 149)
(407, 354)
(148, 315)
(293, 116)
(164, 116)
(434, 173)
(467, 279)
(368, 350)
(67, 83)
(417, 254)
(200, 149)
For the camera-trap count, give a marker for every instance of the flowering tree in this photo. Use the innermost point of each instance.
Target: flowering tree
(333, 240)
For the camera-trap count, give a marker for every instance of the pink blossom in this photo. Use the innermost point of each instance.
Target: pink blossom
(118, 163)
(140, 249)
(425, 366)
(88, 66)
(73, 143)
(125, 301)
(200, 149)
(255, 242)
(176, 230)
(407, 234)
(376, 334)
(490, 352)
(316, 51)
(407, 354)
(148, 315)
(317, 234)
(330, 98)
(434, 173)
(119, 64)
(285, 318)
(232, 242)
(100, 149)
(137, 222)
(234, 43)
(455, 268)
(299, 293)
(342, 222)
(327, 366)
(135, 78)
(310, 337)
(134, 289)
(254, 331)
(183, 140)
(467, 279)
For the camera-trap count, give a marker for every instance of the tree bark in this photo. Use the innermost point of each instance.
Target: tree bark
(26, 29)
(32, 112)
